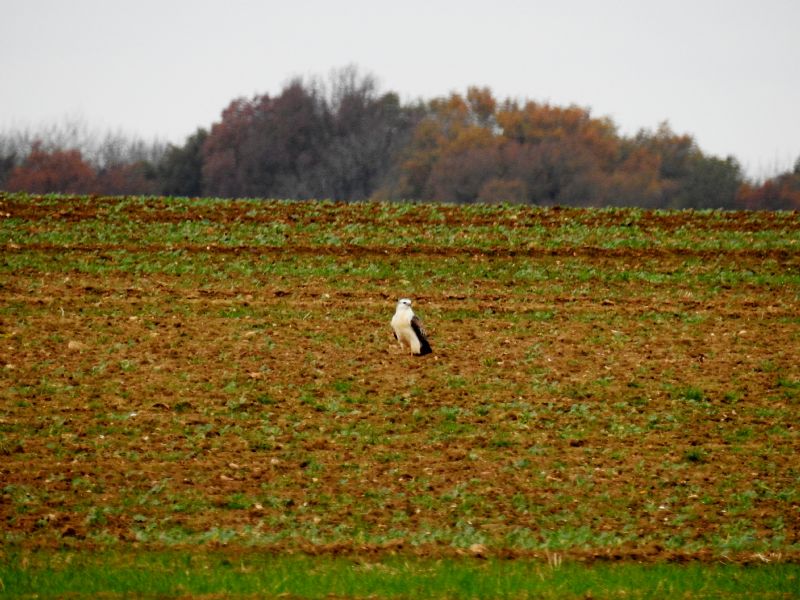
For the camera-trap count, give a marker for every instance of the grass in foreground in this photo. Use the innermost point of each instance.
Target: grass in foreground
(46, 575)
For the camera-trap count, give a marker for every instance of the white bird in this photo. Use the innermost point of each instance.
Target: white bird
(408, 329)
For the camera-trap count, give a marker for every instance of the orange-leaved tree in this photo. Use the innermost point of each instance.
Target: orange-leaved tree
(453, 150)
(62, 171)
(781, 192)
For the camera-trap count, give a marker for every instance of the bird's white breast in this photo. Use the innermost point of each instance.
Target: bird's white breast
(401, 323)
(402, 316)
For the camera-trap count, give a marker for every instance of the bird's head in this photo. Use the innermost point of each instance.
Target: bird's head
(404, 303)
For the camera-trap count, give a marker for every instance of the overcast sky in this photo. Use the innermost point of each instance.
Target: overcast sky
(725, 71)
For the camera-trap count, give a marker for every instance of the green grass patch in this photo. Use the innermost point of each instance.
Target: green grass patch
(250, 575)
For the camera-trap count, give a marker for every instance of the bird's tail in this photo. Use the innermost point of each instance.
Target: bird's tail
(424, 348)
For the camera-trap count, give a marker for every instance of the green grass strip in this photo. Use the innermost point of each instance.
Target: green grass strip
(79, 575)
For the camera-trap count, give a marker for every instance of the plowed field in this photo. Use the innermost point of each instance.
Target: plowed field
(604, 383)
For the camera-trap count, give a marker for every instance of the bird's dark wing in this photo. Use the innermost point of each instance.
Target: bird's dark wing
(424, 345)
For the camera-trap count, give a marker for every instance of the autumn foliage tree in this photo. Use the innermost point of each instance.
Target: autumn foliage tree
(473, 148)
(453, 150)
(688, 178)
(469, 149)
(343, 139)
(56, 171)
(306, 143)
(781, 192)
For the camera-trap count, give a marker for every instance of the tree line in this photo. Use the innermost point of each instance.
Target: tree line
(344, 139)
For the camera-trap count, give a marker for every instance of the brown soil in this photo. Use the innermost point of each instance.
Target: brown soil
(142, 406)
